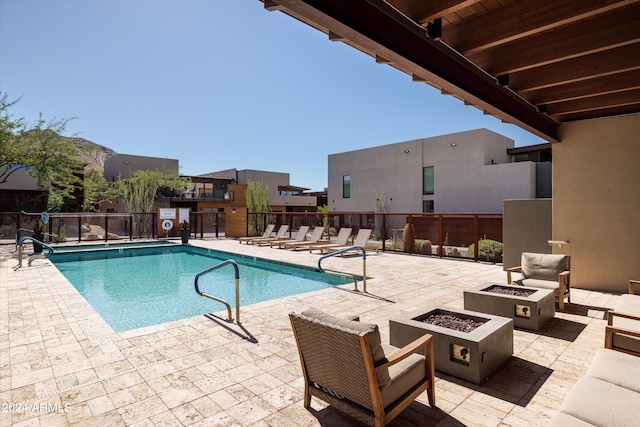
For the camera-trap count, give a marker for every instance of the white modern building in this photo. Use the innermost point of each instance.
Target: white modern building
(464, 172)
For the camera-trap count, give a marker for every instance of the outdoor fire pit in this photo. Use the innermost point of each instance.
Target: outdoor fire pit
(530, 308)
(467, 344)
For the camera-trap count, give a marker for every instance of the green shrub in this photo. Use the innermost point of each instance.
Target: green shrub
(488, 250)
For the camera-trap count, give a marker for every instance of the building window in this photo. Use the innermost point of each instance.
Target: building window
(346, 186)
(427, 180)
(427, 206)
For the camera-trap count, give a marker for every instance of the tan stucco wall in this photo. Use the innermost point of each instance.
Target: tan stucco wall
(526, 227)
(596, 201)
(472, 173)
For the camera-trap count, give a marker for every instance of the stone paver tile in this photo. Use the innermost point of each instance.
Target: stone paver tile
(215, 382)
(251, 411)
(206, 406)
(477, 414)
(187, 414)
(110, 419)
(100, 405)
(142, 409)
(281, 397)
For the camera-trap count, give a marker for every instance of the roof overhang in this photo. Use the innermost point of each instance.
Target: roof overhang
(535, 64)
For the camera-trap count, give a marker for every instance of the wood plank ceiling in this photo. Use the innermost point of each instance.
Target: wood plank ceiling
(535, 63)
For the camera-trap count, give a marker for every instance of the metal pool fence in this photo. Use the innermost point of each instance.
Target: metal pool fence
(476, 236)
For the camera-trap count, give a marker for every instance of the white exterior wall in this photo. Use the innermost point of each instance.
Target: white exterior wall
(472, 173)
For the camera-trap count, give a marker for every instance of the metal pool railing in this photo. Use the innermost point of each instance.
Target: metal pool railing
(35, 256)
(220, 300)
(348, 275)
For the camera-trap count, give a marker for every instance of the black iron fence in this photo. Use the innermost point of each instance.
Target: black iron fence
(103, 226)
(470, 236)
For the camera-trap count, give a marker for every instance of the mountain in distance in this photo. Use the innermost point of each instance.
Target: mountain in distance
(92, 153)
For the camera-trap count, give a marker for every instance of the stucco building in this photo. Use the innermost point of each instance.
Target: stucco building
(470, 171)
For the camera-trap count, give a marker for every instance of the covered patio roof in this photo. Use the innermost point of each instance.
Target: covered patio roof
(535, 64)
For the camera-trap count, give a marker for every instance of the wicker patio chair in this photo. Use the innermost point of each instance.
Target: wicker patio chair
(345, 364)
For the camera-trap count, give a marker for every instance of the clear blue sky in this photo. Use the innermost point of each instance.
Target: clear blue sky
(216, 84)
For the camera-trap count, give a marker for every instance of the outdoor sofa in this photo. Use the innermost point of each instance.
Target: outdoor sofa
(609, 394)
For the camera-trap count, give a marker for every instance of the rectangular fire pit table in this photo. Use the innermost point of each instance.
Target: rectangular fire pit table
(530, 308)
(472, 355)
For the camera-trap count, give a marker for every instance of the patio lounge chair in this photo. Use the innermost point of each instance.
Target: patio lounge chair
(548, 271)
(282, 232)
(362, 240)
(299, 237)
(267, 233)
(316, 235)
(345, 364)
(341, 240)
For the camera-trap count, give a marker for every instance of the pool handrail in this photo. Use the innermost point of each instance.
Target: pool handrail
(237, 277)
(35, 256)
(19, 230)
(348, 275)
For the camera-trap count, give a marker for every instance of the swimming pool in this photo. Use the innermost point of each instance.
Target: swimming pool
(133, 288)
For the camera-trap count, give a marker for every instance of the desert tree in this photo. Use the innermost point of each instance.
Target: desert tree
(257, 199)
(139, 193)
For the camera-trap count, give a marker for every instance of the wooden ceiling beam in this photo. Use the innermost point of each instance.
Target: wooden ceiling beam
(586, 88)
(568, 42)
(377, 28)
(626, 58)
(619, 99)
(523, 19)
(595, 114)
(423, 12)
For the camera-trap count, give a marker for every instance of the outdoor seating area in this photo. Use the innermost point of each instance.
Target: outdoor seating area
(205, 371)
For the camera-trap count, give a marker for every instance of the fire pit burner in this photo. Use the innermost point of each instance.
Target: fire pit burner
(506, 290)
(451, 321)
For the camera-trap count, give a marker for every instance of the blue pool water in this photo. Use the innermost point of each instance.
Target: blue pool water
(133, 288)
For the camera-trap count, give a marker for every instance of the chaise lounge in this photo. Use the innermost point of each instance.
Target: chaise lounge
(341, 240)
(316, 235)
(282, 232)
(362, 240)
(299, 237)
(267, 233)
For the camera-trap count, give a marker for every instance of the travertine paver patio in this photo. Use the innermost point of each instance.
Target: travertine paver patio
(61, 364)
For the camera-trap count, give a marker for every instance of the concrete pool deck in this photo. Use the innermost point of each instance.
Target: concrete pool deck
(62, 365)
